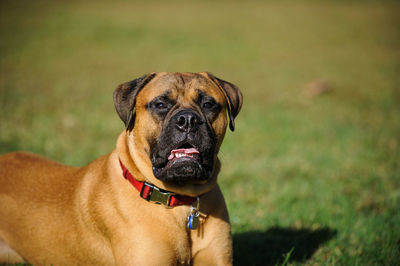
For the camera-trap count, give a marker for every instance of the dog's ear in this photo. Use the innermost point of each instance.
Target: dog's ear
(233, 97)
(125, 98)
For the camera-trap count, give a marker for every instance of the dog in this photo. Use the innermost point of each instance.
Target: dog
(154, 200)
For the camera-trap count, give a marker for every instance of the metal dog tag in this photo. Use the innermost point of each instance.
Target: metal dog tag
(193, 218)
(193, 221)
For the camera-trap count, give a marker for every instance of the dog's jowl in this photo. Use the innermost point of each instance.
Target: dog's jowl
(154, 200)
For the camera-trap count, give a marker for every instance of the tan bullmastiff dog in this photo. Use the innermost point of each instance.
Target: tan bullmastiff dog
(154, 200)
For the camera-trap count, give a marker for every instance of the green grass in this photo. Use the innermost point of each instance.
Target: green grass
(307, 180)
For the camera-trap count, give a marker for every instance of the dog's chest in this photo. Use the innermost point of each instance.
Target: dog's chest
(166, 230)
(183, 250)
(179, 236)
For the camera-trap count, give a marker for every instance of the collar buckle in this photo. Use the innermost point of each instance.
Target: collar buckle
(154, 194)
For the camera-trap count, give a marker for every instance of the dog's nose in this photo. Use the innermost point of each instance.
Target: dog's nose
(188, 121)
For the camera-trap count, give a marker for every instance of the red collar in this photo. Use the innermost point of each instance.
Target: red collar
(157, 195)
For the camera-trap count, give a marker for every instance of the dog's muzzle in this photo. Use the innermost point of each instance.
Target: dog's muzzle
(185, 149)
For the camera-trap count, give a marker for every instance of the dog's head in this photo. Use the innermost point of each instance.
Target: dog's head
(175, 124)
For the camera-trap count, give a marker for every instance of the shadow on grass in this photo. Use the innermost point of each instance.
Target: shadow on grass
(270, 247)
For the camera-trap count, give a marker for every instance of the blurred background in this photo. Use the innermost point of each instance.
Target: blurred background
(311, 174)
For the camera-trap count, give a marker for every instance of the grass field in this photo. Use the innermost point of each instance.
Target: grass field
(308, 180)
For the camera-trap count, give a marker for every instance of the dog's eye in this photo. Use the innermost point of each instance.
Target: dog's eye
(208, 105)
(160, 105)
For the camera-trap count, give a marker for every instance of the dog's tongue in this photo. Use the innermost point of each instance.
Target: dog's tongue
(189, 151)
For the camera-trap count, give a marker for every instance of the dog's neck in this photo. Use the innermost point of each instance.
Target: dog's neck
(154, 194)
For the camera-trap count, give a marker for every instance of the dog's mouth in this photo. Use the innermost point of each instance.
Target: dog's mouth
(183, 164)
(184, 152)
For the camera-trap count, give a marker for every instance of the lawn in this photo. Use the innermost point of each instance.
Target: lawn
(308, 179)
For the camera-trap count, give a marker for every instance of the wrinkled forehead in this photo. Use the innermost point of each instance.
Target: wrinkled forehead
(182, 85)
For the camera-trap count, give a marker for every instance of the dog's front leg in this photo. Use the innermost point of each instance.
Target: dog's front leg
(213, 246)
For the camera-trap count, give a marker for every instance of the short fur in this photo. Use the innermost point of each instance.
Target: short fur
(61, 215)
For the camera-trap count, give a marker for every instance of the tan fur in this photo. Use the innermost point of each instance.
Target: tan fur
(60, 215)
